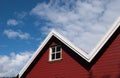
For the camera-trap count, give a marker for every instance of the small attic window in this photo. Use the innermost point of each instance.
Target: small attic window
(55, 53)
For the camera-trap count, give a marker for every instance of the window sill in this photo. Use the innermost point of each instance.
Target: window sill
(56, 60)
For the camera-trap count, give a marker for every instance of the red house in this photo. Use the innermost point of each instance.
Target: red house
(59, 58)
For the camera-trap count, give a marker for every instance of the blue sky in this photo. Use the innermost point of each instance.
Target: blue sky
(15, 16)
(25, 23)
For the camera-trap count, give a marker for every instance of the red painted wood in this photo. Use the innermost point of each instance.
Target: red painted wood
(108, 66)
(65, 68)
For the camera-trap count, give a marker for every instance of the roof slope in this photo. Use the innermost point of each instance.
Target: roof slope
(88, 57)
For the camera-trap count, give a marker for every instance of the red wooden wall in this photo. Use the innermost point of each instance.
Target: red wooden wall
(65, 68)
(107, 66)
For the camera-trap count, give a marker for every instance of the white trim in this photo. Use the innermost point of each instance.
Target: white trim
(87, 57)
(50, 50)
(35, 54)
(62, 39)
(110, 32)
(71, 46)
(50, 53)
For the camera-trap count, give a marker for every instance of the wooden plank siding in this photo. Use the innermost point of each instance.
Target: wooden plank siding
(108, 66)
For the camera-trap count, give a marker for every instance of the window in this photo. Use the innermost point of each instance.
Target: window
(55, 53)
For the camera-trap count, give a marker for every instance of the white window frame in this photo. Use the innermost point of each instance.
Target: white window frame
(50, 53)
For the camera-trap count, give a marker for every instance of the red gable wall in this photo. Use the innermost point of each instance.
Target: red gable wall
(65, 68)
(107, 66)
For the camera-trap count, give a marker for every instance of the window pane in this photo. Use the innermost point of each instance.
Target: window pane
(53, 56)
(58, 48)
(53, 49)
(57, 55)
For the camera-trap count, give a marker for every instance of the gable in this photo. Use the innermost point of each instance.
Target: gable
(45, 50)
(44, 68)
(84, 59)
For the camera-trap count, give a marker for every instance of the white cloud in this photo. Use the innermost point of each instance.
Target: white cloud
(11, 65)
(86, 21)
(13, 34)
(12, 22)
